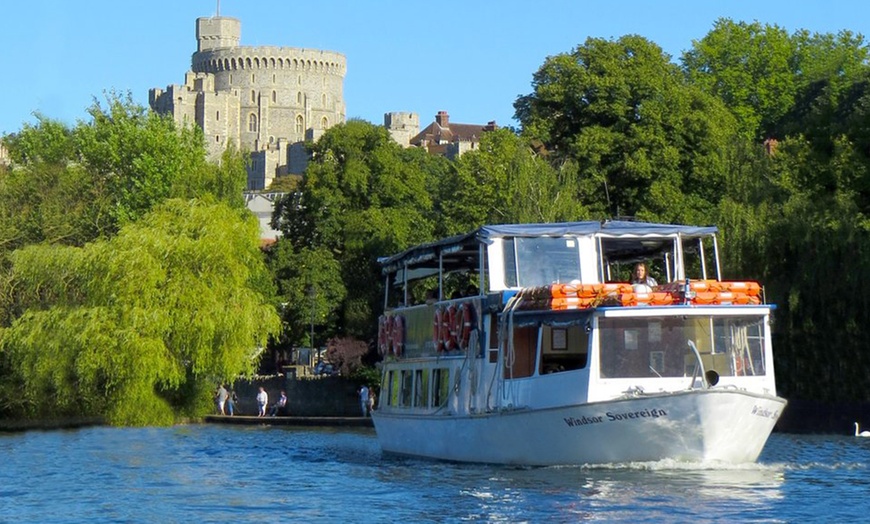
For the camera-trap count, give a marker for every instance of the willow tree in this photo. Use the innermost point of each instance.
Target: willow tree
(138, 328)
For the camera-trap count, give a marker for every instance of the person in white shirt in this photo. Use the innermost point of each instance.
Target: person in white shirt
(262, 402)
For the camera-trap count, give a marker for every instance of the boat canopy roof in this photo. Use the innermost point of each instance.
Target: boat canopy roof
(463, 251)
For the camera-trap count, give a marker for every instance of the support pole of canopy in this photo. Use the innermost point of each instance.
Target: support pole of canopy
(440, 276)
(716, 254)
(481, 270)
(703, 259)
(405, 283)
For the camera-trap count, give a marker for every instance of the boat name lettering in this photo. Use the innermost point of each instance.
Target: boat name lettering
(764, 412)
(582, 421)
(613, 417)
(646, 413)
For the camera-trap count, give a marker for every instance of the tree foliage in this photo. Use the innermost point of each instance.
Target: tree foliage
(641, 141)
(504, 181)
(309, 290)
(121, 327)
(362, 196)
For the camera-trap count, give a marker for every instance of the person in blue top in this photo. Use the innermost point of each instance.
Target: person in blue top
(280, 405)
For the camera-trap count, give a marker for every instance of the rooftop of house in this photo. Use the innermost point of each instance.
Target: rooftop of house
(441, 131)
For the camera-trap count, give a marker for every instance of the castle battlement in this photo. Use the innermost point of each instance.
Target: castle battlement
(271, 58)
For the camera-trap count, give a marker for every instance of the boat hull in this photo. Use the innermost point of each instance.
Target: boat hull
(727, 425)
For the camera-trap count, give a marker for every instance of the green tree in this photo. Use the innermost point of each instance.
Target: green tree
(142, 156)
(138, 328)
(751, 67)
(53, 203)
(641, 140)
(504, 181)
(309, 291)
(362, 196)
(49, 141)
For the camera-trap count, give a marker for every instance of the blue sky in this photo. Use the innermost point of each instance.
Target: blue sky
(471, 58)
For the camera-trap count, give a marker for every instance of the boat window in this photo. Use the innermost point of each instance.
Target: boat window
(392, 388)
(440, 386)
(520, 358)
(407, 382)
(658, 346)
(540, 261)
(421, 388)
(563, 349)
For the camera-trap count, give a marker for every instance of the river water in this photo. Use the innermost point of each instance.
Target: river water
(229, 474)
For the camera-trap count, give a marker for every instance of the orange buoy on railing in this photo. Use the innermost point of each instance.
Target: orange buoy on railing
(464, 324)
(397, 335)
(645, 299)
(436, 330)
(448, 328)
(382, 335)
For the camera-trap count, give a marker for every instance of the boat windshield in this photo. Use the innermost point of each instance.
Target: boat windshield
(540, 261)
(659, 346)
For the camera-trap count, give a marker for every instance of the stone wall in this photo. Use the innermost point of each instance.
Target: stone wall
(306, 397)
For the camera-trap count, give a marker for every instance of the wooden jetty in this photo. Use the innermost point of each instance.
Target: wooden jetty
(359, 422)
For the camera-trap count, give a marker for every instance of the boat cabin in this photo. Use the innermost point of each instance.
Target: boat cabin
(493, 314)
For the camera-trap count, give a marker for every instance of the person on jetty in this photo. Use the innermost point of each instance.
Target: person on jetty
(279, 406)
(221, 396)
(231, 402)
(262, 402)
(364, 399)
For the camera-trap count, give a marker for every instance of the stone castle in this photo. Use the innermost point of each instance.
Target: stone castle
(267, 100)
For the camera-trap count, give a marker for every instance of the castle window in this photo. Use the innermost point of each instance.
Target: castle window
(217, 115)
(252, 123)
(324, 123)
(273, 74)
(300, 125)
(299, 80)
(274, 97)
(217, 138)
(271, 139)
(299, 97)
(231, 78)
(323, 99)
(253, 96)
(253, 78)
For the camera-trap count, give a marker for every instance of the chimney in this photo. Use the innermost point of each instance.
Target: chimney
(490, 126)
(442, 119)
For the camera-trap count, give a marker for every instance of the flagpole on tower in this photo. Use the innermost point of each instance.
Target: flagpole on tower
(218, 7)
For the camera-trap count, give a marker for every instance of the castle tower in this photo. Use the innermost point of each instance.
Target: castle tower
(217, 32)
(402, 126)
(266, 100)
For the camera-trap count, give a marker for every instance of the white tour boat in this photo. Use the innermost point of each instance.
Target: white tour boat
(558, 361)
